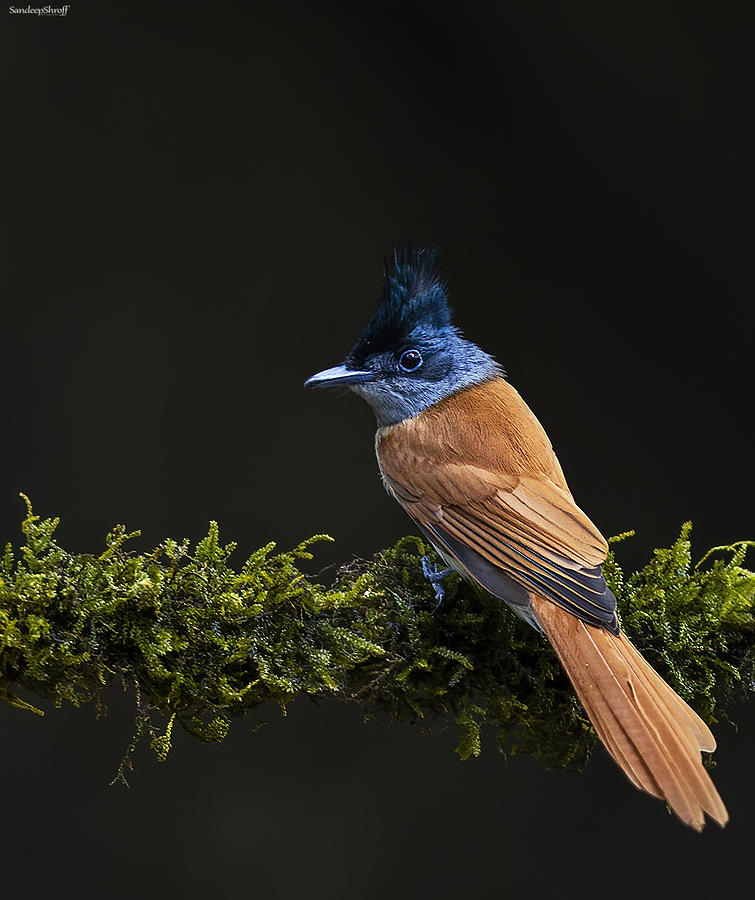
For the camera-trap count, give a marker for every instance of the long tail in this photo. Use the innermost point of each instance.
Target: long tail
(646, 727)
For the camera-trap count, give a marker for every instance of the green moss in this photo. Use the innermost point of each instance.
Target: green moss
(202, 642)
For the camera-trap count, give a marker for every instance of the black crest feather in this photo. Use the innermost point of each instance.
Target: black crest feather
(414, 294)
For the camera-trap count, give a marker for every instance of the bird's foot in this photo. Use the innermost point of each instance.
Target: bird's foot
(435, 576)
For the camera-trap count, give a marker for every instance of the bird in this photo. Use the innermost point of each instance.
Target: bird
(467, 459)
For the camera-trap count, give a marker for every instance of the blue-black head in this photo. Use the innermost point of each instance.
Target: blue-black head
(409, 355)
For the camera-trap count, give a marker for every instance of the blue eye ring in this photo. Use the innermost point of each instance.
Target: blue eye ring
(410, 360)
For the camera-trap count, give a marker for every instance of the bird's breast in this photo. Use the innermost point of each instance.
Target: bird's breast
(488, 426)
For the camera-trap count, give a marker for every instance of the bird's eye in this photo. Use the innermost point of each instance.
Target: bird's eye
(410, 360)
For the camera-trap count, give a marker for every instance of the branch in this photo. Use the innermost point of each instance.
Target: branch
(203, 642)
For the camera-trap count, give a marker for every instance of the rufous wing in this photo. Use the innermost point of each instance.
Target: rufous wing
(527, 526)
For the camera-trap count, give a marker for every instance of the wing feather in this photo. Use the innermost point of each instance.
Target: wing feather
(529, 527)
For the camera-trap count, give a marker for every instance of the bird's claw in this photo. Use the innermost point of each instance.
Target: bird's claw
(435, 576)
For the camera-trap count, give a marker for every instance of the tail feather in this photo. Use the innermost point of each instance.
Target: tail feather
(683, 723)
(681, 710)
(653, 735)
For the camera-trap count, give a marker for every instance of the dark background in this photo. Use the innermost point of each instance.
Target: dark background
(199, 198)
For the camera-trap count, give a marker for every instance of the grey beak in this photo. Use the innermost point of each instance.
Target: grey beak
(339, 375)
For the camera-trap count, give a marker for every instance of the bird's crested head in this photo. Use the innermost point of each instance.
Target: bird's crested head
(409, 356)
(414, 298)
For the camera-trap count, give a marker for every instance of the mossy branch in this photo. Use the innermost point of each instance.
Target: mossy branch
(202, 642)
